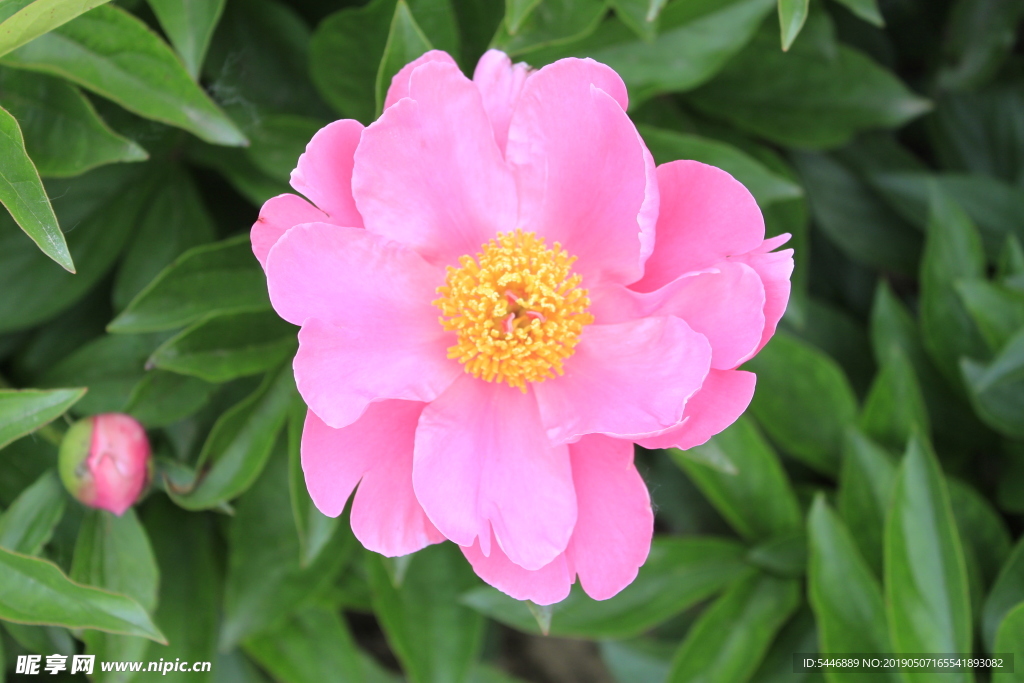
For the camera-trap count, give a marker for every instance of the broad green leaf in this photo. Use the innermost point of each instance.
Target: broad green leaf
(42, 640)
(865, 489)
(926, 588)
(731, 637)
(434, 636)
(224, 347)
(314, 528)
(31, 19)
(784, 556)
(1010, 639)
(264, 580)
(312, 646)
(854, 218)
(406, 42)
(997, 310)
(798, 635)
(22, 412)
(803, 400)
(223, 277)
(952, 252)
(985, 538)
(895, 406)
(834, 331)
(1007, 591)
(980, 131)
(866, 10)
(189, 24)
(162, 398)
(639, 15)
(792, 15)
(757, 500)
(110, 366)
(190, 587)
(641, 659)
(996, 389)
(28, 523)
(239, 170)
(845, 595)
(766, 186)
(114, 54)
(173, 221)
(516, 12)
(35, 591)
(22, 192)
(979, 37)
(21, 464)
(102, 210)
(277, 141)
(64, 135)
(551, 23)
(808, 97)
(679, 573)
(240, 443)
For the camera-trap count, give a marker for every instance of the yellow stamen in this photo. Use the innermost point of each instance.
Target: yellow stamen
(517, 307)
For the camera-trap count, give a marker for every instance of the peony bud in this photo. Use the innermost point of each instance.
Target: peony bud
(104, 461)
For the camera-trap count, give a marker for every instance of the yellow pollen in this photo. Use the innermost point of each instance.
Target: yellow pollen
(517, 308)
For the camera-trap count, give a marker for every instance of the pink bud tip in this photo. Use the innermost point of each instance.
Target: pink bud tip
(105, 461)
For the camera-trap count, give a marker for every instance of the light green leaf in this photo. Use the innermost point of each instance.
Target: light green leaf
(550, 23)
(996, 389)
(22, 192)
(312, 646)
(985, 538)
(639, 15)
(895, 405)
(679, 573)
(115, 55)
(926, 588)
(189, 24)
(64, 135)
(865, 489)
(997, 310)
(406, 42)
(792, 15)
(866, 10)
(31, 19)
(1010, 639)
(516, 12)
(162, 398)
(28, 523)
(22, 412)
(35, 591)
(1007, 591)
(314, 528)
(223, 277)
(278, 140)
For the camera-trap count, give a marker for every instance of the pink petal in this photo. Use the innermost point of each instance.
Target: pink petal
(775, 270)
(369, 330)
(615, 522)
(482, 462)
(584, 175)
(324, 171)
(720, 401)
(544, 586)
(277, 215)
(625, 379)
(705, 216)
(428, 173)
(400, 82)
(376, 453)
(500, 83)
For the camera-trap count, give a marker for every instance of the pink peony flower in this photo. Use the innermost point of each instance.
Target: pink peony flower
(488, 322)
(104, 461)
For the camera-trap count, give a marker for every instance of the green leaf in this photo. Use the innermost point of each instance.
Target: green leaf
(264, 580)
(866, 10)
(22, 463)
(312, 646)
(434, 637)
(189, 24)
(406, 42)
(639, 15)
(731, 637)
(642, 659)
(784, 556)
(315, 528)
(855, 219)
(803, 400)
(792, 15)
(239, 170)
(980, 36)
(865, 489)
(30, 20)
(767, 186)
(979, 131)
(679, 573)
(223, 277)
(240, 443)
(1010, 639)
(985, 538)
(799, 635)
(845, 595)
(115, 55)
(818, 95)
(23, 412)
(220, 348)
(1007, 591)
(64, 135)
(277, 142)
(22, 192)
(926, 587)
(173, 221)
(997, 310)
(26, 526)
(996, 389)
(894, 407)
(757, 500)
(551, 23)
(516, 12)
(35, 591)
(162, 398)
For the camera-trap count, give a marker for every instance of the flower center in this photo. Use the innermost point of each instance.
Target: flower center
(518, 309)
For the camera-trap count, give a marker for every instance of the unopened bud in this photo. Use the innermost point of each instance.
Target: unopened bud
(104, 461)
